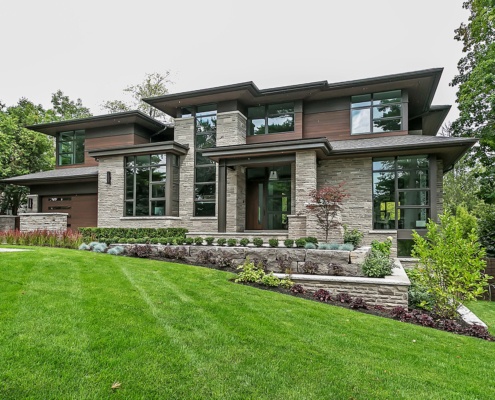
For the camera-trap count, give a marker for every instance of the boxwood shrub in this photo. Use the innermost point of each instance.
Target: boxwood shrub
(130, 233)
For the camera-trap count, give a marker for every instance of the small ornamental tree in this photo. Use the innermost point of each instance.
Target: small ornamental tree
(451, 264)
(325, 203)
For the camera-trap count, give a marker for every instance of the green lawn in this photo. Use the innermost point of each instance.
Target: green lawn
(72, 323)
(485, 310)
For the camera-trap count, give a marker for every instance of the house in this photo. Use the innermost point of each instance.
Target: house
(242, 160)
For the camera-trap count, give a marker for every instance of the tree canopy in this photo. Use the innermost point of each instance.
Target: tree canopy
(154, 84)
(476, 90)
(23, 151)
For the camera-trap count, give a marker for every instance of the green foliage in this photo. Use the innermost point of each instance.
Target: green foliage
(377, 265)
(352, 236)
(273, 242)
(198, 241)
(289, 243)
(486, 227)
(221, 242)
(300, 242)
(311, 239)
(251, 273)
(131, 233)
(467, 221)
(418, 296)
(310, 246)
(476, 90)
(384, 247)
(232, 242)
(209, 240)
(258, 242)
(450, 264)
(346, 247)
(244, 242)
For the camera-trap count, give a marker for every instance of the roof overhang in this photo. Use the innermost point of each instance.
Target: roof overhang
(100, 121)
(320, 145)
(56, 176)
(421, 86)
(147, 148)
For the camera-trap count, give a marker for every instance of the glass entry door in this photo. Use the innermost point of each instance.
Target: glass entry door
(268, 200)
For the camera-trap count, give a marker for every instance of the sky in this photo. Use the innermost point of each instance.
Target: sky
(93, 49)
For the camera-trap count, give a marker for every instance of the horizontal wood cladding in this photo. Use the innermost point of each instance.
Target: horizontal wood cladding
(81, 209)
(334, 125)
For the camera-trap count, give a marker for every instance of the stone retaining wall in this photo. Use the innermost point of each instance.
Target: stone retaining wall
(39, 221)
(7, 222)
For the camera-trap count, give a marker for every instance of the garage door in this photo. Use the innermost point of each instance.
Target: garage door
(82, 208)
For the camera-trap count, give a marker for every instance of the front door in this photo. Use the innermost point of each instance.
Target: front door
(268, 198)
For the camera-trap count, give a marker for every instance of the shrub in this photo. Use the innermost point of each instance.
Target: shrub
(310, 246)
(311, 239)
(289, 243)
(324, 246)
(273, 242)
(198, 241)
(140, 251)
(225, 260)
(358, 303)
(333, 246)
(84, 246)
(270, 280)
(232, 242)
(352, 236)
(418, 296)
(221, 242)
(174, 253)
(346, 247)
(249, 273)
(382, 247)
(322, 295)
(286, 283)
(244, 242)
(100, 248)
(122, 240)
(258, 242)
(206, 257)
(377, 265)
(310, 267)
(209, 240)
(486, 227)
(92, 234)
(93, 244)
(300, 242)
(261, 262)
(117, 250)
(450, 264)
(298, 289)
(343, 297)
(154, 241)
(284, 263)
(189, 241)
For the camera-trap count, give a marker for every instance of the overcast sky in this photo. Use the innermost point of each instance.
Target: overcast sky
(93, 49)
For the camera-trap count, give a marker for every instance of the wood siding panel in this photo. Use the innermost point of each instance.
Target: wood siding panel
(334, 125)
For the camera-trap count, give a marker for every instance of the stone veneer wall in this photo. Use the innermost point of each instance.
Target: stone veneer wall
(39, 221)
(358, 208)
(36, 203)
(231, 130)
(7, 222)
(439, 187)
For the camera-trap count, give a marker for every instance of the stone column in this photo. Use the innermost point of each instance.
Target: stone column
(33, 200)
(184, 134)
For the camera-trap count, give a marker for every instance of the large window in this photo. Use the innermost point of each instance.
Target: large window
(205, 169)
(70, 149)
(401, 192)
(376, 113)
(272, 118)
(146, 185)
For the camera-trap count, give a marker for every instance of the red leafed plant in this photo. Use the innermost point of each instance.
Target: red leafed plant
(325, 203)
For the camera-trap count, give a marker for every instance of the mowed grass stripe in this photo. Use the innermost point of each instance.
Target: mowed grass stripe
(174, 331)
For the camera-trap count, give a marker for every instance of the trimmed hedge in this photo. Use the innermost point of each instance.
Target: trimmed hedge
(131, 233)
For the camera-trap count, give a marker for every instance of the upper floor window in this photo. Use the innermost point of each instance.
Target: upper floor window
(271, 118)
(70, 149)
(376, 112)
(205, 170)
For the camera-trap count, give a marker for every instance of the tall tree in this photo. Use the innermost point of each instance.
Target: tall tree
(476, 90)
(154, 84)
(64, 108)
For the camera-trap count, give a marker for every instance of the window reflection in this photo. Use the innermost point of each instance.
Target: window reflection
(272, 118)
(376, 113)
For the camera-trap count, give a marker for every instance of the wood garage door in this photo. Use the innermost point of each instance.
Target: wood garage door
(82, 208)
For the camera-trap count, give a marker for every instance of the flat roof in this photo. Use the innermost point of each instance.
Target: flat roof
(98, 121)
(421, 84)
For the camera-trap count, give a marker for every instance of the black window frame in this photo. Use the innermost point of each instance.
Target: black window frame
(371, 106)
(204, 111)
(268, 115)
(74, 152)
(149, 166)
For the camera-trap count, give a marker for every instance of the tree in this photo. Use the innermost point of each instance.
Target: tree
(325, 204)
(64, 108)
(154, 84)
(451, 263)
(476, 89)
